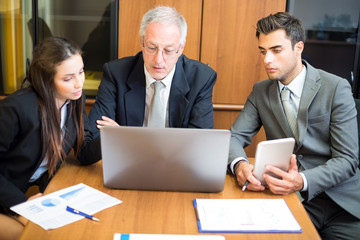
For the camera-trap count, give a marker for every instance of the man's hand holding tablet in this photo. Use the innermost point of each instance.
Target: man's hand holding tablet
(276, 153)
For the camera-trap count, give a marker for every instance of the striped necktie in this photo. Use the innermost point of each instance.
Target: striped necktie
(290, 110)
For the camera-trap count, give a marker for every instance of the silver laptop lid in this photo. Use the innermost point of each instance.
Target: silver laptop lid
(169, 159)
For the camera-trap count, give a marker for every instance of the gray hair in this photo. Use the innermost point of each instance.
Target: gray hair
(164, 16)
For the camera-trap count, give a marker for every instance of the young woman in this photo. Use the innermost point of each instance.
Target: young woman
(39, 125)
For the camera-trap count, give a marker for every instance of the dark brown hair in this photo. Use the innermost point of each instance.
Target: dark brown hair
(282, 20)
(49, 54)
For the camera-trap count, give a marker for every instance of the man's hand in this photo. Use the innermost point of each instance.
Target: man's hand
(105, 121)
(243, 172)
(291, 181)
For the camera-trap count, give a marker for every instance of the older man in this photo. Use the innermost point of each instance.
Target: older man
(158, 87)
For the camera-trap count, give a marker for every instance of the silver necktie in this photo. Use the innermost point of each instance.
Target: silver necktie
(156, 116)
(290, 110)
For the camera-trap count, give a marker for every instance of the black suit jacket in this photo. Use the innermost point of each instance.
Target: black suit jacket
(121, 95)
(21, 144)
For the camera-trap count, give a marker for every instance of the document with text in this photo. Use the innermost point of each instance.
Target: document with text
(133, 236)
(245, 215)
(49, 211)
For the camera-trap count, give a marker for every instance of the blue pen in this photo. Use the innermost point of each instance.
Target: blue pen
(69, 209)
(245, 185)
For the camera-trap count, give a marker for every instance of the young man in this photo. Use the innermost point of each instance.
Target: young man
(323, 123)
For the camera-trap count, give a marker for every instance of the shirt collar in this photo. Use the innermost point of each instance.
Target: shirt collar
(166, 81)
(296, 85)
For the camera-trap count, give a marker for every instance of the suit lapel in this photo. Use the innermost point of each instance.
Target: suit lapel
(135, 96)
(310, 89)
(178, 102)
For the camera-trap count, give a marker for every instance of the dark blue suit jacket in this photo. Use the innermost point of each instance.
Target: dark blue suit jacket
(121, 95)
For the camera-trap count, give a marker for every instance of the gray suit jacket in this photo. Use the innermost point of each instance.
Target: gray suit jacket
(327, 146)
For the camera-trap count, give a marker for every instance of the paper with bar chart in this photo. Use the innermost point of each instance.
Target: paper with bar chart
(49, 211)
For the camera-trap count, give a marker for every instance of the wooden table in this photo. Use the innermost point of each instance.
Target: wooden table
(153, 211)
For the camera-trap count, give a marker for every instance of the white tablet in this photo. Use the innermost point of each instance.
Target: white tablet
(273, 152)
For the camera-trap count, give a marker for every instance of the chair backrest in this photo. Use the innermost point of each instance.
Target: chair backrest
(357, 104)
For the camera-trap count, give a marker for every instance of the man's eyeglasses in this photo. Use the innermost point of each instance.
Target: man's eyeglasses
(167, 52)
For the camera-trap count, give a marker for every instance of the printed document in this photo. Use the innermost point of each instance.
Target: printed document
(132, 236)
(49, 211)
(245, 215)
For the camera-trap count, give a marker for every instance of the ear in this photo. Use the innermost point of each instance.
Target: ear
(181, 49)
(299, 47)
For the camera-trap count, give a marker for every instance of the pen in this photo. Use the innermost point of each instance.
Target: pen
(69, 209)
(245, 185)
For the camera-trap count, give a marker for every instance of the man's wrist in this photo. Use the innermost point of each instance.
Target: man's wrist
(305, 183)
(236, 163)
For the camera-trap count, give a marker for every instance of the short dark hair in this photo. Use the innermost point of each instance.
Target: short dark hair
(282, 20)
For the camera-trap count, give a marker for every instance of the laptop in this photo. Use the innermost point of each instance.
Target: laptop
(164, 159)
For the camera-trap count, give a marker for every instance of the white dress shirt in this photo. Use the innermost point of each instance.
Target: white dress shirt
(296, 87)
(164, 95)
